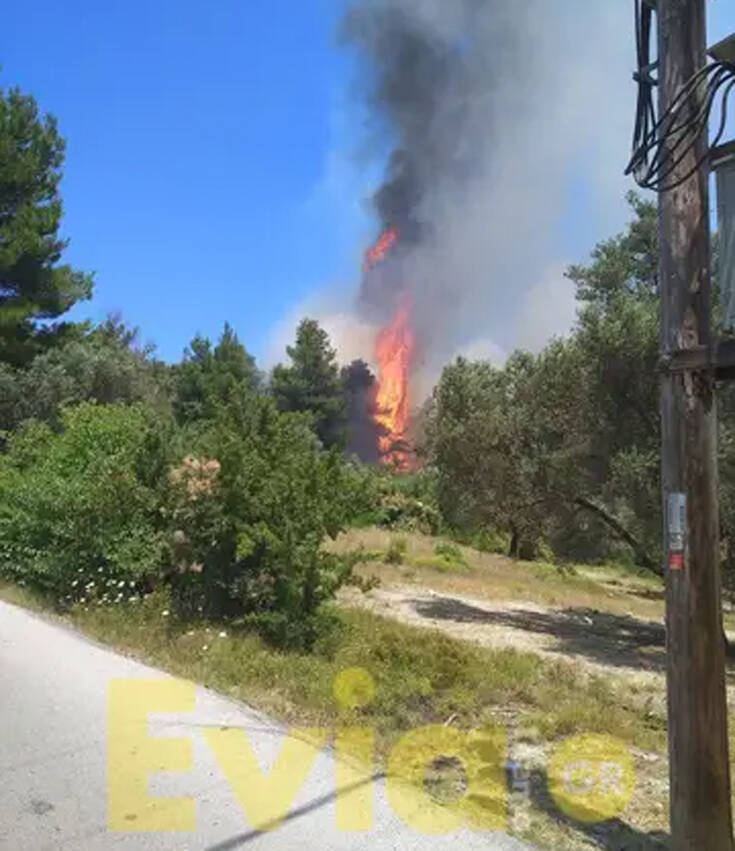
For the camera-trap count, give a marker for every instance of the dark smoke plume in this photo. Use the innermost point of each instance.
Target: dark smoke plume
(485, 110)
(424, 77)
(416, 81)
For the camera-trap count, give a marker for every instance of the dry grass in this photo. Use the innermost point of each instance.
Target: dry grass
(612, 588)
(24, 598)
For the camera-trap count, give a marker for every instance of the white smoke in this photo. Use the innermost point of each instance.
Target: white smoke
(352, 337)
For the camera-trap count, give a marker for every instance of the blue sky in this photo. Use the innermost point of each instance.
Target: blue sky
(198, 138)
(209, 172)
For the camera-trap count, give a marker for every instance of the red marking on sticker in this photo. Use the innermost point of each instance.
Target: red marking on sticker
(676, 561)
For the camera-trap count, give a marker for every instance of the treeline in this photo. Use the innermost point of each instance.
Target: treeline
(560, 450)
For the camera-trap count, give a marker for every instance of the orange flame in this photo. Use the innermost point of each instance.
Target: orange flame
(394, 349)
(380, 250)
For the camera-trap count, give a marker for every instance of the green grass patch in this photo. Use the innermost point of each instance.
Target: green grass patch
(441, 564)
(27, 599)
(366, 556)
(447, 558)
(449, 551)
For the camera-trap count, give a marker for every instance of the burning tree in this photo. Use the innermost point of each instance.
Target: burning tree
(395, 347)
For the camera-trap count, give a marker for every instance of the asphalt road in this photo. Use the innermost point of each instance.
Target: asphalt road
(54, 690)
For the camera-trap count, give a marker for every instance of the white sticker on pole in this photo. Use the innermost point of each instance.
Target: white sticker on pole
(677, 526)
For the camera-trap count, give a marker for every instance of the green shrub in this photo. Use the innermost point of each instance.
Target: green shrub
(545, 552)
(396, 552)
(490, 541)
(412, 515)
(79, 514)
(395, 501)
(249, 508)
(440, 563)
(361, 495)
(99, 367)
(231, 513)
(449, 551)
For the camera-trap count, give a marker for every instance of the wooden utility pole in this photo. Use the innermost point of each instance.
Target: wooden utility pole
(697, 711)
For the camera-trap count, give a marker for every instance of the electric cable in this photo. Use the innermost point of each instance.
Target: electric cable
(661, 144)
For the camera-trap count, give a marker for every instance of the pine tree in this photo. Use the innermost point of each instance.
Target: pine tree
(210, 377)
(312, 383)
(34, 288)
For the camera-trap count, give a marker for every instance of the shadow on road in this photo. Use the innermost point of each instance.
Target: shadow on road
(317, 803)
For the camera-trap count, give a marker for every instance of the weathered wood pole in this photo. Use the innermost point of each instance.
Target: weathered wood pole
(697, 710)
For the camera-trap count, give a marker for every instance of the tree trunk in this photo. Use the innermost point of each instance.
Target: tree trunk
(515, 543)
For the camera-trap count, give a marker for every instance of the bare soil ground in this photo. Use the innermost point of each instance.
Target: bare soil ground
(602, 642)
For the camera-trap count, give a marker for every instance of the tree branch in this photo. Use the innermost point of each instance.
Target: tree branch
(643, 557)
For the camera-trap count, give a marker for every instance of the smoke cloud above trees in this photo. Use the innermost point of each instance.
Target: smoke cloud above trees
(475, 108)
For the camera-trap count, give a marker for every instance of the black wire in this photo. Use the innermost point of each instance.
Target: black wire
(696, 125)
(652, 139)
(684, 133)
(663, 187)
(661, 144)
(645, 110)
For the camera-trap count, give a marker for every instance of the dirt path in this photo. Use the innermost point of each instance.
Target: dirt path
(600, 642)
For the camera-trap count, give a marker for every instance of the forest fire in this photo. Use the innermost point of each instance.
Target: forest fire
(394, 348)
(394, 351)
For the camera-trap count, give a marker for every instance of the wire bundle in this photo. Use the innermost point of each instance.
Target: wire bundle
(661, 145)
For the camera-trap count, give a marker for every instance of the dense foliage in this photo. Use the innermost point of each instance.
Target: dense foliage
(560, 450)
(248, 510)
(101, 366)
(117, 501)
(562, 447)
(79, 507)
(210, 376)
